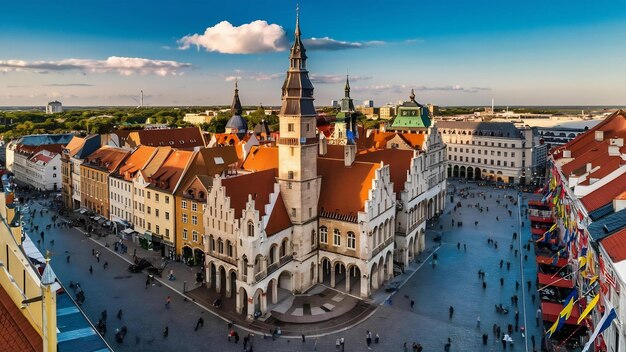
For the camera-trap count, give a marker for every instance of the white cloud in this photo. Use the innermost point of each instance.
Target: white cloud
(249, 38)
(322, 79)
(327, 43)
(125, 66)
(398, 88)
(252, 76)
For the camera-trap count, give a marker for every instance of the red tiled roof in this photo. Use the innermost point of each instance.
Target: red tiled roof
(75, 145)
(107, 157)
(181, 138)
(155, 163)
(16, 333)
(335, 152)
(327, 130)
(226, 139)
(279, 219)
(344, 189)
(605, 194)
(261, 158)
(399, 162)
(615, 245)
(167, 176)
(597, 155)
(613, 126)
(258, 184)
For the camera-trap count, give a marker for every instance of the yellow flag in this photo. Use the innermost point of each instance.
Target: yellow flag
(592, 304)
(567, 311)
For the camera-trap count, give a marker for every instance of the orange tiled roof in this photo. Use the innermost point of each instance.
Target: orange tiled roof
(75, 145)
(596, 155)
(155, 163)
(415, 140)
(279, 219)
(615, 245)
(261, 158)
(605, 194)
(136, 161)
(226, 139)
(16, 333)
(258, 184)
(107, 158)
(344, 189)
(182, 138)
(334, 151)
(167, 176)
(399, 162)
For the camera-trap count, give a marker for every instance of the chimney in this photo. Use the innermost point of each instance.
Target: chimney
(349, 154)
(589, 167)
(567, 153)
(614, 150)
(599, 136)
(617, 142)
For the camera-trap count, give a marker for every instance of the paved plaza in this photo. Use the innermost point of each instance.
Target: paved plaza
(453, 281)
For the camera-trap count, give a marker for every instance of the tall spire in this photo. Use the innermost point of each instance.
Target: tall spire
(297, 91)
(347, 88)
(235, 107)
(412, 96)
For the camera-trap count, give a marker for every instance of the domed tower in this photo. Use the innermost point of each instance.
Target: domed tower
(237, 124)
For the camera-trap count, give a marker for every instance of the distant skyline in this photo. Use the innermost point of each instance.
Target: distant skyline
(190, 52)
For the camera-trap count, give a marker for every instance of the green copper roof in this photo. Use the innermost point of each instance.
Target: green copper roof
(412, 118)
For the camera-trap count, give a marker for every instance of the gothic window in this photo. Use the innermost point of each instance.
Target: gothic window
(250, 228)
(312, 239)
(323, 234)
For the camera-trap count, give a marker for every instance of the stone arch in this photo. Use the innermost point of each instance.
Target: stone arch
(324, 270)
(285, 280)
(449, 171)
(380, 234)
(244, 267)
(272, 290)
(242, 301)
(221, 282)
(389, 265)
(462, 172)
(410, 248)
(374, 237)
(470, 172)
(259, 301)
(284, 247)
(211, 275)
(477, 174)
(338, 273)
(258, 264)
(374, 276)
(353, 279)
(455, 171)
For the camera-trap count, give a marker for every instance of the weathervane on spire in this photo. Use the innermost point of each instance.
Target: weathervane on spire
(297, 19)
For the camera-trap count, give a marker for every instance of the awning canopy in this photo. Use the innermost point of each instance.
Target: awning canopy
(551, 312)
(557, 281)
(561, 262)
(128, 231)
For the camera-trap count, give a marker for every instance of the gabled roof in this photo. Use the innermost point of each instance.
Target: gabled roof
(261, 158)
(209, 162)
(136, 161)
(344, 189)
(226, 139)
(107, 158)
(279, 219)
(41, 139)
(615, 245)
(181, 138)
(155, 163)
(399, 162)
(75, 145)
(168, 175)
(605, 194)
(258, 184)
(614, 126)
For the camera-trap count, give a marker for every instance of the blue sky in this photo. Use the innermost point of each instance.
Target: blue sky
(182, 53)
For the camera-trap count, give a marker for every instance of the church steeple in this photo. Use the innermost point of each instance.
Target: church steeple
(297, 91)
(235, 107)
(347, 88)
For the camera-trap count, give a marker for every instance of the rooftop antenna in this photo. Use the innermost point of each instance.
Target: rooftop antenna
(492, 111)
(141, 104)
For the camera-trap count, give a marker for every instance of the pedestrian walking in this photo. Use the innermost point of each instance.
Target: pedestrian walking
(478, 321)
(508, 265)
(465, 247)
(166, 332)
(119, 314)
(98, 256)
(458, 245)
(532, 339)
(485, 338)
(237, 337)
(199, 324)
(303, 338)
(106, 264)
(484, 284)
(412, 304)
(376, 338)
(516, 285)
(451, 310)
(167, 302)
(501, 281)
(368, 339)
(147, 283)
(533, 298)
(537, 316)
(337, 345)
(501, 262)
(90, 269)
(529, 284)
(343, 344)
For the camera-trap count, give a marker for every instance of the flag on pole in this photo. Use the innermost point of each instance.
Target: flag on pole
(565, 313)
(602, 325)
(587, 310)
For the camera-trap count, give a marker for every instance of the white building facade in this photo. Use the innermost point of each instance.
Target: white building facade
(40, 170)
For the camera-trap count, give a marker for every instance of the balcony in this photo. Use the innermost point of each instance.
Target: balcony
(382, 246)
(272, 268)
